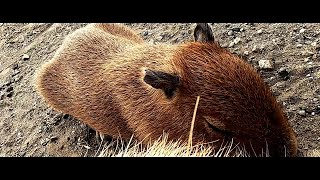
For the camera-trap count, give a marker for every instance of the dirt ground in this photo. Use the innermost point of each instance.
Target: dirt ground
(29, 128)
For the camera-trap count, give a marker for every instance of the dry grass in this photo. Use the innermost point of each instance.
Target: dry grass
(164, 148)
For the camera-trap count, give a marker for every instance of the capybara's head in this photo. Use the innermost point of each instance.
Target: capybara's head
(235, 101)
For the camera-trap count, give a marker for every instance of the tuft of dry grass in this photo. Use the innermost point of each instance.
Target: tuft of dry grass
(164, 148)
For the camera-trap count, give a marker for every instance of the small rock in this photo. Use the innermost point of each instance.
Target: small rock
(231, 44)
(237, 29)
(145, 33)
(159, 37)
(259, 31)
(310, 63)
(25, 57)
(87, 147)
(241, 29)
(265, 64)
(237, 40)
(302, 113)
(306, 59)
(308, 75)
(246, 53)
(283, 72)
(254, 49)
(313, 113)
(230, 33)
(299, 45)
(315, 99)
(224, 45)
(302, 30)
(314, 44)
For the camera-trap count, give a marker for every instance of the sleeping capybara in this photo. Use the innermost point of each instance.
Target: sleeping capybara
(106, 76)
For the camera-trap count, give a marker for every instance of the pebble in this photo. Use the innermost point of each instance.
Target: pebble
(259, 31)
(224, 45)
(299, 45)
(231, 44)
(283, 72)
(237, 29)
(315, 99)
(230, 33)
(237, 40)
(145, 33)
(254, 49)
(302, 113)
(25, 57)
(306, 59)
(265, 64)
(314, 44)
(246, 53)
(313, 113)
(302, 30)
(241, 29)
(159, 37)
(308, 75)
(87, 147)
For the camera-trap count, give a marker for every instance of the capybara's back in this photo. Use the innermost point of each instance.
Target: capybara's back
(106, 76)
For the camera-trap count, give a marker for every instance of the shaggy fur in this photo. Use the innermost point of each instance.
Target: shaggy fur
(106, 76)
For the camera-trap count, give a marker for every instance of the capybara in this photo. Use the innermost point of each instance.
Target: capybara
(107, 76)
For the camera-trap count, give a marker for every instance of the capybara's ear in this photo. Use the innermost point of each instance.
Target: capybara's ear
(162, 80)
(203, 33)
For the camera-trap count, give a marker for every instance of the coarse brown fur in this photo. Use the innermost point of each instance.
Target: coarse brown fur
(106, 76)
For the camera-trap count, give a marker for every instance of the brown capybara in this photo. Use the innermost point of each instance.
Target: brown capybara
(106, 76)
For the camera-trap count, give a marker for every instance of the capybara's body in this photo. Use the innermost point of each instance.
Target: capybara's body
(106, 76)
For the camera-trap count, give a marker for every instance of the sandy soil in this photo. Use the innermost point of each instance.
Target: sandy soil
(29, 128)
